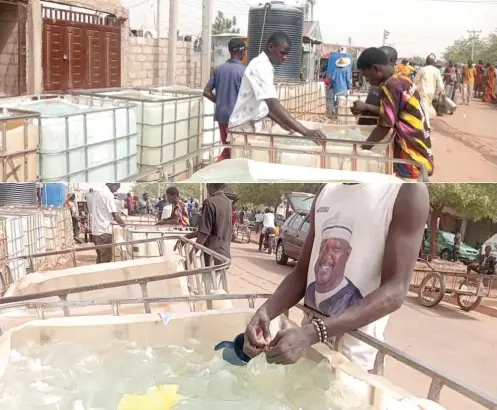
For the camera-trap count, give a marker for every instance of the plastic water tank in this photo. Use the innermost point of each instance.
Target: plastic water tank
(263, 21)
(53, 194)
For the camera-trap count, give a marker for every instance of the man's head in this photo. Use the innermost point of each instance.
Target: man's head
(450, 64)
(488, 250)
(267, 211)
(278, 47)
(391, 54)
(480, 61)
(72, 197)
(172, 194)
(145, 196)
(334, 254)
(213, 188)
(470, 63)
(113, 186)
(405, 61)
(236, 47)
(374, 65)
(431, 59)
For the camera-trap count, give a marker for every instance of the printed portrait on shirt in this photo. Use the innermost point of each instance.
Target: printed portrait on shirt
(332, 292)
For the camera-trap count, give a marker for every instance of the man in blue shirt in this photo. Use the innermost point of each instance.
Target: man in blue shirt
(340, 80)
(226, 81)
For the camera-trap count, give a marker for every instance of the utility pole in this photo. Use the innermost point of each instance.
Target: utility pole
(350, 41)
(157, 19)
(205, 63)
(474, 35)
(172, 41)
(313, 2)
(386, 34)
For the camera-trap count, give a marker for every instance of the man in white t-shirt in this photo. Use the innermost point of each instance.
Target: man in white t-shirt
(103, 211)
(259, 217)
(268, 226)
(258, 98)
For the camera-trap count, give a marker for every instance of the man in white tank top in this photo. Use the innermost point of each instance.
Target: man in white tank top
(355, 269)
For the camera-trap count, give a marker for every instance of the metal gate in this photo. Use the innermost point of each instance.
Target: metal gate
(80, 50)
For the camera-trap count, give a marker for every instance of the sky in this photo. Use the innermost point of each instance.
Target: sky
(417, 27)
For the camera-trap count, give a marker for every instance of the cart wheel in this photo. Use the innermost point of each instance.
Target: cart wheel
(469, 303)
(431, 289)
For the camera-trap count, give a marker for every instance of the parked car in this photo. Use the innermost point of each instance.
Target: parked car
(295, 229)
(467, 254)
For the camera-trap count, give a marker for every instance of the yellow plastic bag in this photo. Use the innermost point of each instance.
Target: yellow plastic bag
(159, 398)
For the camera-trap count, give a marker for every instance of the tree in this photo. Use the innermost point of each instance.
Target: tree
(461, 50)
(224, 24)
(153, 189)
(473, 201)
(417, 60)
(268, 194)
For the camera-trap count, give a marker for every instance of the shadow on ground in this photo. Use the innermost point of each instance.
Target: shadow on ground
(442, 309)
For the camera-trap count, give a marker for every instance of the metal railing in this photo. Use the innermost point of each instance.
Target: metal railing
(438, 378)
(194, 161)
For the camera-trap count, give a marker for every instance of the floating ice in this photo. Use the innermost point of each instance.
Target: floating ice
(68, 376)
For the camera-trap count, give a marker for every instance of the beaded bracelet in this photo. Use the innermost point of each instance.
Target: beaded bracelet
(322, 330)
(318, 330)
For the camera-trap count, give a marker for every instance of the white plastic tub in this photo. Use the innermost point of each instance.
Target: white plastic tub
(208, 328)
(19, 133)
(81, 143)
(13, 231)
(310, 158)
(168, 125)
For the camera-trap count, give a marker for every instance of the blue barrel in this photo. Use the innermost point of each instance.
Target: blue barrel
(53, 194)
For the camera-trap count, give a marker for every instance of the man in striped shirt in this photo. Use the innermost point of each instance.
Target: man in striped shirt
(400, 111)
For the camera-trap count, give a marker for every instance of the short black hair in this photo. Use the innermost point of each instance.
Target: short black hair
(173, 191)
(218, 187)
(390, 52)
(370, 57)
(279, 38)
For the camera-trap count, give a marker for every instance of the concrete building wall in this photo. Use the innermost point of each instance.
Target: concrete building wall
(9, 49)
(147, 63)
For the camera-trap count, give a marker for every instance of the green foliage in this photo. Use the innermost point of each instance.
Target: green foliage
(268, 194)
(473, 201)
(224, 24)
(485, 49)
(417, 60)
(154, 188)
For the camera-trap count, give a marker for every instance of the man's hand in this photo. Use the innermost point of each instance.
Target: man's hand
(290, 345)
(359, 107)
(315, 134)
(257, 336)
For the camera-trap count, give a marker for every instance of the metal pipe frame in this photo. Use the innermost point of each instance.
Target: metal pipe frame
(438, 378)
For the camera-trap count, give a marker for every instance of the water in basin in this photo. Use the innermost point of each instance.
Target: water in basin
(56, 108)
(69, 376)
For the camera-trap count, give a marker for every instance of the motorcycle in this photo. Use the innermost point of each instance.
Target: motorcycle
(269, 240)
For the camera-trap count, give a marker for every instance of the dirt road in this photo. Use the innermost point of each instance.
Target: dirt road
(463, 345)
(465, 144)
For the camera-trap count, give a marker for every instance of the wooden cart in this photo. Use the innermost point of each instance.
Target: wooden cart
(469, 289)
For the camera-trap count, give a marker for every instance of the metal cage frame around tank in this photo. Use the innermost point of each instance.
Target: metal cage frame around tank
(98, 95)
(68, 176)
(202, 278)
(439, 379)
(6, 157)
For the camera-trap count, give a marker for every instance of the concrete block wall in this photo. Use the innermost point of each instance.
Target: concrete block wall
(147, 63)
(9, 49)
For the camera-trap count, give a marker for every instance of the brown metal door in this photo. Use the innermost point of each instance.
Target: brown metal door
(54, 66)
(80, 54)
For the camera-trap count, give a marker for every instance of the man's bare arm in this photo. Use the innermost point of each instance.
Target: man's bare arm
(401, 251)
(118, 218)
(283, 117)
(377, 135)
(209, 94)
(292, 289)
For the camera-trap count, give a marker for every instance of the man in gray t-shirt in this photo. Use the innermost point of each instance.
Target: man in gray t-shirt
(371, 107)
(226, 81)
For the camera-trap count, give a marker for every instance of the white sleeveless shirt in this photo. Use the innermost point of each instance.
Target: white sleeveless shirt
(351, 228)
